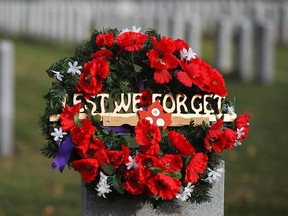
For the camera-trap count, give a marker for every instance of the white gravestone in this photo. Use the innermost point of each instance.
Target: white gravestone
(193, 33)
(6, 97)
(244, 50)
(92, 205)
(265, 52)
(223, 54)
(283, 20)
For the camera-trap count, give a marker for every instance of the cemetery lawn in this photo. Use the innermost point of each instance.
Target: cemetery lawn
(256, 181)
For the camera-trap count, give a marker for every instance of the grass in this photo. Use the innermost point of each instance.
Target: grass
(256, 177)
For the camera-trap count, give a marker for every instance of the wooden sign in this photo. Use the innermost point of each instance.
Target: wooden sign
(125, 109)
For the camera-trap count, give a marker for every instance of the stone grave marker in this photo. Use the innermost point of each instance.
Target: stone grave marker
(6, 97)
(244, 49)
(193, 33)
(283, 21)
(92, 205)
(223, 51)
(265, 51)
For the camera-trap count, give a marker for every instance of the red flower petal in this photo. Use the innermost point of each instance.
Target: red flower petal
(242, 122)
(131, 183)
(87, 167)
(67, 116)
(117, 158)
(197, 165)
(162, 76)
(105, 40)
(164, 186)
(131, 41)
(184, 79)
(171, 162)
(180, 143)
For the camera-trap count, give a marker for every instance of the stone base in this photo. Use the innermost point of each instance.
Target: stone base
(92, 205)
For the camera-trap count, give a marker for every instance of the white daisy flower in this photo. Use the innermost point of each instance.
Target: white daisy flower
(58, 134)
(131, 164)
(186, 192)
(240, 132)
(214, 175)
(134, 29)
(58, 75)
(103, 187)
(187, 54)
(74, 68)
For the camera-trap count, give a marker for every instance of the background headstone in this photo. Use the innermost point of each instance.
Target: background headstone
(223, 51)
(265, 52)
(244, 50)
(6, 97)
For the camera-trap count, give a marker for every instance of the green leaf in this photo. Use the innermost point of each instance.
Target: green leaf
(132, 143)
(137, 68)
(176, 175)
(156, 170)
(108, 168)
(77, 120)
(117, 184)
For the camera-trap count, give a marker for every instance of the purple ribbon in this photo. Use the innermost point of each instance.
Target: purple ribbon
(119, 130)
(63, 154)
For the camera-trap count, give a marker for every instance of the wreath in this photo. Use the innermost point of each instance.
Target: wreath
(151, 158)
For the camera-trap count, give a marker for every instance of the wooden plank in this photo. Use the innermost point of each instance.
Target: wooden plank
(110, 119)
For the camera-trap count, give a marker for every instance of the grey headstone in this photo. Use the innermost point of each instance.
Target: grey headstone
(244, 50)
(283, 21)
(6, 97)
(193, 33)
(265, 52)
(92, 205)
(223, 51)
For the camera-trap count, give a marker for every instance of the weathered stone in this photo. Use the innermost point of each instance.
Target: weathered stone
(283, 27)
(6, 97)
(92, 205)
(265, 52)
(223, 50)
(244, 50)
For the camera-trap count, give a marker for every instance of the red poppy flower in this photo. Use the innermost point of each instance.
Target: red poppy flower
(104, 54)
(94, 146)
(91, 79)
(67, 116)
(145, 162)
(180, 143)
(241, 123)
(217, 83)
(103, 40)
(218, 139)
(117, 158)
(165, 45)
(148, 136)
(164, 186)
(180, 44)
(196, 165)
(229, 138)
(162, 59)
(145, 98)
(101, 157)
(194, 72)
(131, 41)
(81, 136)
(131, 183)
(87, 167)
(213, 135)
(171, 162)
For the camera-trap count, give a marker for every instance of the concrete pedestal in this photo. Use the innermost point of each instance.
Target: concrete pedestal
(92, 205)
